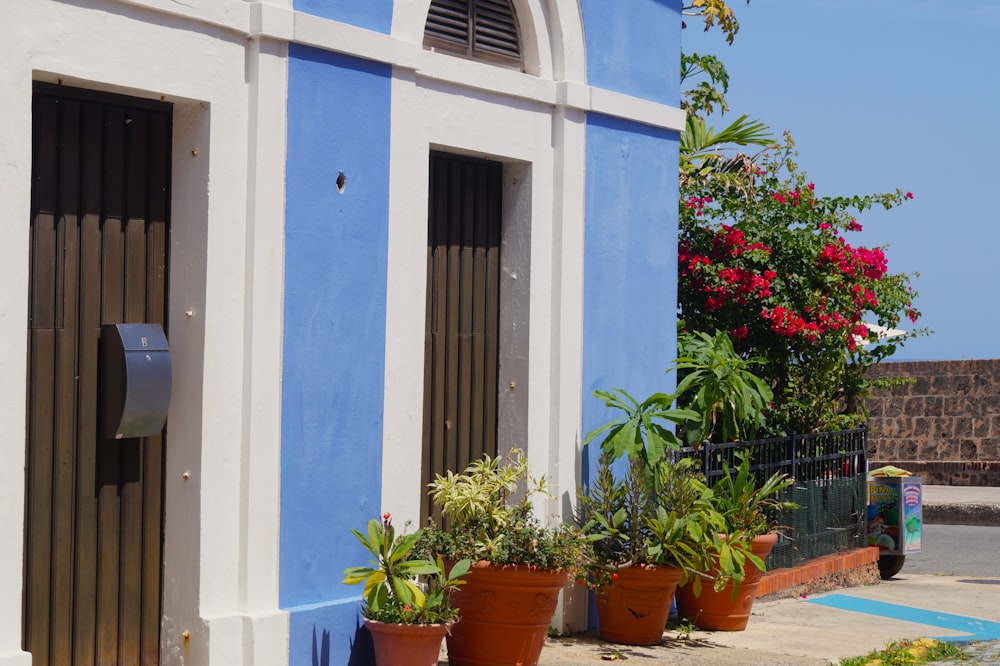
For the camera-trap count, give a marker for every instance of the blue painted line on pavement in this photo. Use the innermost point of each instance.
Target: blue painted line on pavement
(979, 630)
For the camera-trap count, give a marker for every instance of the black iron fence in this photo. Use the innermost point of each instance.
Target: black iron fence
(830, 473)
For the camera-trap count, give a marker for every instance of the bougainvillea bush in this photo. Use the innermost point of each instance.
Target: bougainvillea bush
(764, 257)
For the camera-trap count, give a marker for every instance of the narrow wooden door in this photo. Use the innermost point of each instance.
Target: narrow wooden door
(99, 242)
(463, 313)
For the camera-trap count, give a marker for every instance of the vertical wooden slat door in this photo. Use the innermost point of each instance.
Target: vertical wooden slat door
(462, 322)
(93, 516)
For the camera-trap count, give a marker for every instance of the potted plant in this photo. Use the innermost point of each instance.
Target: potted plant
(519, 565)
(652, 527)
(748, 510)
(645, 543)
(407, 619)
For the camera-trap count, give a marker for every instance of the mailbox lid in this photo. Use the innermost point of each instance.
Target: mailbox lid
(142, 337)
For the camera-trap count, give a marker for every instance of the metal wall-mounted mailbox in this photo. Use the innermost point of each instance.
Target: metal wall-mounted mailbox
(135, 376)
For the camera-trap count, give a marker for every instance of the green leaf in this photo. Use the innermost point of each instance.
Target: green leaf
(355, 575)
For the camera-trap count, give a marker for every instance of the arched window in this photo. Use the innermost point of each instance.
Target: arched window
(480, 29)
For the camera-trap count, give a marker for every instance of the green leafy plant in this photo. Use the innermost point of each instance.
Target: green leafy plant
(492, 519)
(911, 653)
(392, 591)
(721, 386)
(658, 510)
(684, 627)
(749, 509)
(630, 524)
(644, 430)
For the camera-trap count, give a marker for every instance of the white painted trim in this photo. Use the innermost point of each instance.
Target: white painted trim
(427, 113)
(16, 659)
(350, 40)
(559, 61)
(643, 111)
(261, 456)
(537, 127)
(223, 453)
(228, 14)
(15, 201)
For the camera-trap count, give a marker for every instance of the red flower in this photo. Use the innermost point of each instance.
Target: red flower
(909, 195)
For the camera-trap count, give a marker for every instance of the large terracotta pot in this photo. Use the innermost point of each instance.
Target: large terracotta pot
(633, 608)
(406, 644)
(505, 614)
(721, 611)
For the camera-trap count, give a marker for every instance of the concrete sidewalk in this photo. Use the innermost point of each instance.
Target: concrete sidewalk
(821, 629)
(825, 628)
(961, 505)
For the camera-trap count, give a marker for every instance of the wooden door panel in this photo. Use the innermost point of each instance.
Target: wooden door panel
(99, 242)
(462, 323)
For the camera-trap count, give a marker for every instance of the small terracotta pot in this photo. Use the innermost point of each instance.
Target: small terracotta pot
(633, 608)
(406, 644)
(505, 614)
(721, 611)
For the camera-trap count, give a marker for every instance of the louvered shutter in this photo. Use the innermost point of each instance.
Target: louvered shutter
(474, 28)
(448, 20)
(496, 28)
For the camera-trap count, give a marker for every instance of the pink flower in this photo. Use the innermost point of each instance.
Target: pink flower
(909, 195)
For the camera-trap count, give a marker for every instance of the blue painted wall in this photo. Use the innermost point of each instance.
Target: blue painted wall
(630, 262)
(634, 47)
(334, 338)
(630, 268)
(371, 14)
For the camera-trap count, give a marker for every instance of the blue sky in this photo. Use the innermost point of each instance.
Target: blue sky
(890, 94)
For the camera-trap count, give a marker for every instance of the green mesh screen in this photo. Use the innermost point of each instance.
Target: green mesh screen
(830, 519)
(831, 475)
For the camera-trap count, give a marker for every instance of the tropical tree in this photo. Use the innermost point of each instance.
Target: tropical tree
(765, 258)
(768, 261)
(714, 13)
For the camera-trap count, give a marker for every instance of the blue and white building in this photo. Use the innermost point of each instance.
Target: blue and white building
(297, 292)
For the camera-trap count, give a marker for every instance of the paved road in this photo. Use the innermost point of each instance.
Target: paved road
(957, 550)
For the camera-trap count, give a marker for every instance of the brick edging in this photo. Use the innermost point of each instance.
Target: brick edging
(853, 567)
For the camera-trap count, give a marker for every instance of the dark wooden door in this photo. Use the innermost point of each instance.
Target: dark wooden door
(463, 306)
(99, 241)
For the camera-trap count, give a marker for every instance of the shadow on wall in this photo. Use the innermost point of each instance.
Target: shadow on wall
(362, 649)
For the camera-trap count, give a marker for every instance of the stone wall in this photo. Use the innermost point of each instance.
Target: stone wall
(945, 426)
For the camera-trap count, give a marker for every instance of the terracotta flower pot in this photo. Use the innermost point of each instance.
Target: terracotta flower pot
(505, 615)
(633, 608)
(406, 644)
(720, 611)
